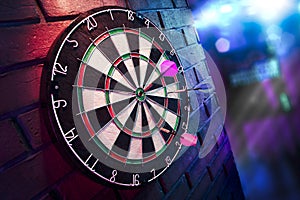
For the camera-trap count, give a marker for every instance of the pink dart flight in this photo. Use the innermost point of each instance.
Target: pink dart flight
(168, 68)
(188, 139)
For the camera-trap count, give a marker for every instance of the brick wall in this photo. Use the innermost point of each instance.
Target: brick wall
(31, 166)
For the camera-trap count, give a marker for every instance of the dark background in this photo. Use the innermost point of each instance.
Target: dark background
(260, 42)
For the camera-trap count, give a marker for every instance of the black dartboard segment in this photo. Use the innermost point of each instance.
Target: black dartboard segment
(108, 102)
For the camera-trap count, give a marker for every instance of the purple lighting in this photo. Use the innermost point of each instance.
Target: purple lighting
(270, 93)
(188, 139)
(168, 68)
(268, 137)
(222, 45)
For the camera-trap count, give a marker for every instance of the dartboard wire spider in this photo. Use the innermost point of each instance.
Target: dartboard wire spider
(97, 47)
(104, 90)
(119, 91)
(161, 75)
(111, 121)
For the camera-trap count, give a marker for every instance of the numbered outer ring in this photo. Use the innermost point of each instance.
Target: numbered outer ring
(106, 102)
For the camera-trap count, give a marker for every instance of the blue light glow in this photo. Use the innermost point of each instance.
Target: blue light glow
(222, 45)
(223, 12)
(259, 72)
(268, 10)
(227, 8)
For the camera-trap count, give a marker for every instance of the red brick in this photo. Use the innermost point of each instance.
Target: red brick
(190, 35)
(200, 190)
(152, 191)
(67, 7)
(180, 191)
(198, 118)
(11, 144)
(219, 159)
(232, 187)
(212, 105)
(222, 137)
(202, 66)
(38, 134)
(196, 171)
(29, 42)
(153, 16)
(171, 19)
(78, 186)
(16, 10)
(191, 78)
(33, 175)
(229, 164)
(114, 3)
(179, 166)
(180, 3)
(20, 88)
(176, 37)
(217, 187)
(149, 4)
(192, 55)
(210, 132)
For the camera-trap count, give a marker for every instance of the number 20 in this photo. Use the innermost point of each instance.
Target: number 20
(91, 23)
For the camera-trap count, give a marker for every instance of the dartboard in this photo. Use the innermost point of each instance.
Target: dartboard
(111, 106)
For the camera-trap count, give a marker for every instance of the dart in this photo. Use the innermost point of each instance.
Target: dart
(202, 87)
(167, 131)
(104, 90)
(168, 68)
(188, 139)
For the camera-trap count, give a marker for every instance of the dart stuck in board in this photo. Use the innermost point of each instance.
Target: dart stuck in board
(168, 68)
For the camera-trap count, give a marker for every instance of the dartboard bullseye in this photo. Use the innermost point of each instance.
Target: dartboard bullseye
(109, 95)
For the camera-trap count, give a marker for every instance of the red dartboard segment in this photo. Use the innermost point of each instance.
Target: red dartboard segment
(107, 82)
(178, 108)
(135, 55)
(149, 158)
(126, 130)
(102, 38)
(117, 62)
(88, 125)
(81, 75)
(111, 111)
(131, 31)
(117, 157)
(158, 47)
